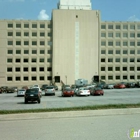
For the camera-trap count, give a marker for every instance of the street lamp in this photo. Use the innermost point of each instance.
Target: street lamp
(66, 79)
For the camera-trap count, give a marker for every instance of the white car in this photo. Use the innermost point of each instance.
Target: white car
(83, 91)
(21, 92)
(40, 91)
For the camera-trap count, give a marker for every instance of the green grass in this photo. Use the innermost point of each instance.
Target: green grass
(96, 107)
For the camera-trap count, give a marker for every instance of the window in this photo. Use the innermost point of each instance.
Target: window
(125, 52)
(34, 25)
(132, 35)
(102, 68)
(138, 35)
(17, 60)
(103, 26)
(18, 51)
(25, 69)
(9, 78)
(50, 34)
(118, 43)
(138, 77)
(132, 60)
(118, 27)
(42, 34)
(33, 68)
(138, 51)
(102, 51)
(110, 77)
(34, 34)
(138, 60)
(41, 78)
(124, 59)
(124, 77)
(17, 69)
(33, 60)
(42, 25)
(103, 43)
(138, 43)
(17, 78)
(125, 27)
(10, 42)
(26, 43)
(132, 43)
(132, 77)
(103, 34)
(124, 68)
(10, 51)
(132, 51)
(117, 60)
(42, 43)
(34, 42)
(49, 60)
(26, 51)
(42, 51)
(49, 78)
(132, 69)
(18, 25)
(25, 78)
(49, 25)
(10, 33)
(41, 60)
(18, 33)
(10, 25)
(110, 34)
(117, 68)
(118, 51)
(34, 51)
(18, 42)
(110, 26)
(118, 35)
(125, 35)
(125, 43)
(110, 51)
(25, 60)
(41, 68)
(110, 43)
(138, 68)
(9, 60)
(33, 78)
(9, 69)
(26, 33)
(117, 77)
(102, 77)
(110, 59)
(26, 25)
(49, 51)
(103, 60)
(49, 69)
(110, 68)
(132, 27)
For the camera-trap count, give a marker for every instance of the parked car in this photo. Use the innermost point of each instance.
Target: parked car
(4, 88)
(65, 86)
(130, 85)
(119, 85)
(0, 90)
(15, 89)
(40, 91)
(21, 92)
(50, 90)
(67, 92)
(44, 86)
(109, 86)
(97, 91)
(83, 91)
(101, 85)
(137, 84)
(10, 90)
(25, 87)
(56, 87)
(32, 95)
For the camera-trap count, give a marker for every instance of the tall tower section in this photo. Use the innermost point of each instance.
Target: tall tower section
(75, 41)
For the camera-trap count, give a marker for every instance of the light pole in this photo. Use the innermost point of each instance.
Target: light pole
(66, 79)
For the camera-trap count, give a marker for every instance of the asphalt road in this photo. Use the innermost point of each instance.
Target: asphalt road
(9, 101)
(104, 127)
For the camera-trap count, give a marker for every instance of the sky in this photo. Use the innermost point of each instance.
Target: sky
(111, 10)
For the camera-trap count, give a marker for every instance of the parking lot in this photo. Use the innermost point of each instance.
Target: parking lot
(10, 101)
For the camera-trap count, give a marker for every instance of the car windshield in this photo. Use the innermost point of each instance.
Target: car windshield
(68, 89)
(32, 91)
(83, 88)
(49, 87)
(98, 88)
(21, 90)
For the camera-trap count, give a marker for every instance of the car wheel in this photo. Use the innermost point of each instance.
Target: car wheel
(39, 101)
(54, 94)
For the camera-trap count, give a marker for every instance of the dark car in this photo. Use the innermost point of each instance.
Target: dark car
(0, 90)
(44, 87)
(10, 90)
(32, 95)
(67, 92)
(130, 85)
(4, 88)
(97, 91)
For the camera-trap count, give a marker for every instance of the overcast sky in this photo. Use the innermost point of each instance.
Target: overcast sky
(111, 10)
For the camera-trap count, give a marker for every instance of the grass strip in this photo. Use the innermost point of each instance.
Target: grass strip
(94, 107)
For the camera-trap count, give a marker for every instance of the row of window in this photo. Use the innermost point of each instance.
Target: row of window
(118, 77)
(118, 69)
(119, 43)
(26, 69)
(26, 60)
(27, 52)
(27, 25)
(27, 34)
(119, 60)
(27, 43)
(26, 78)
(117, 26)
(125, 35)
(119, 52)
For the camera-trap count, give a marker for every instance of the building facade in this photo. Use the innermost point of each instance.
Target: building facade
(74, 44)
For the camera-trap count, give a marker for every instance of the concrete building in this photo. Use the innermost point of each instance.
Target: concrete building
(74, 44)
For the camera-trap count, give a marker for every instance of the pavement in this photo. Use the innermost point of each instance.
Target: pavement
(69, 114)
